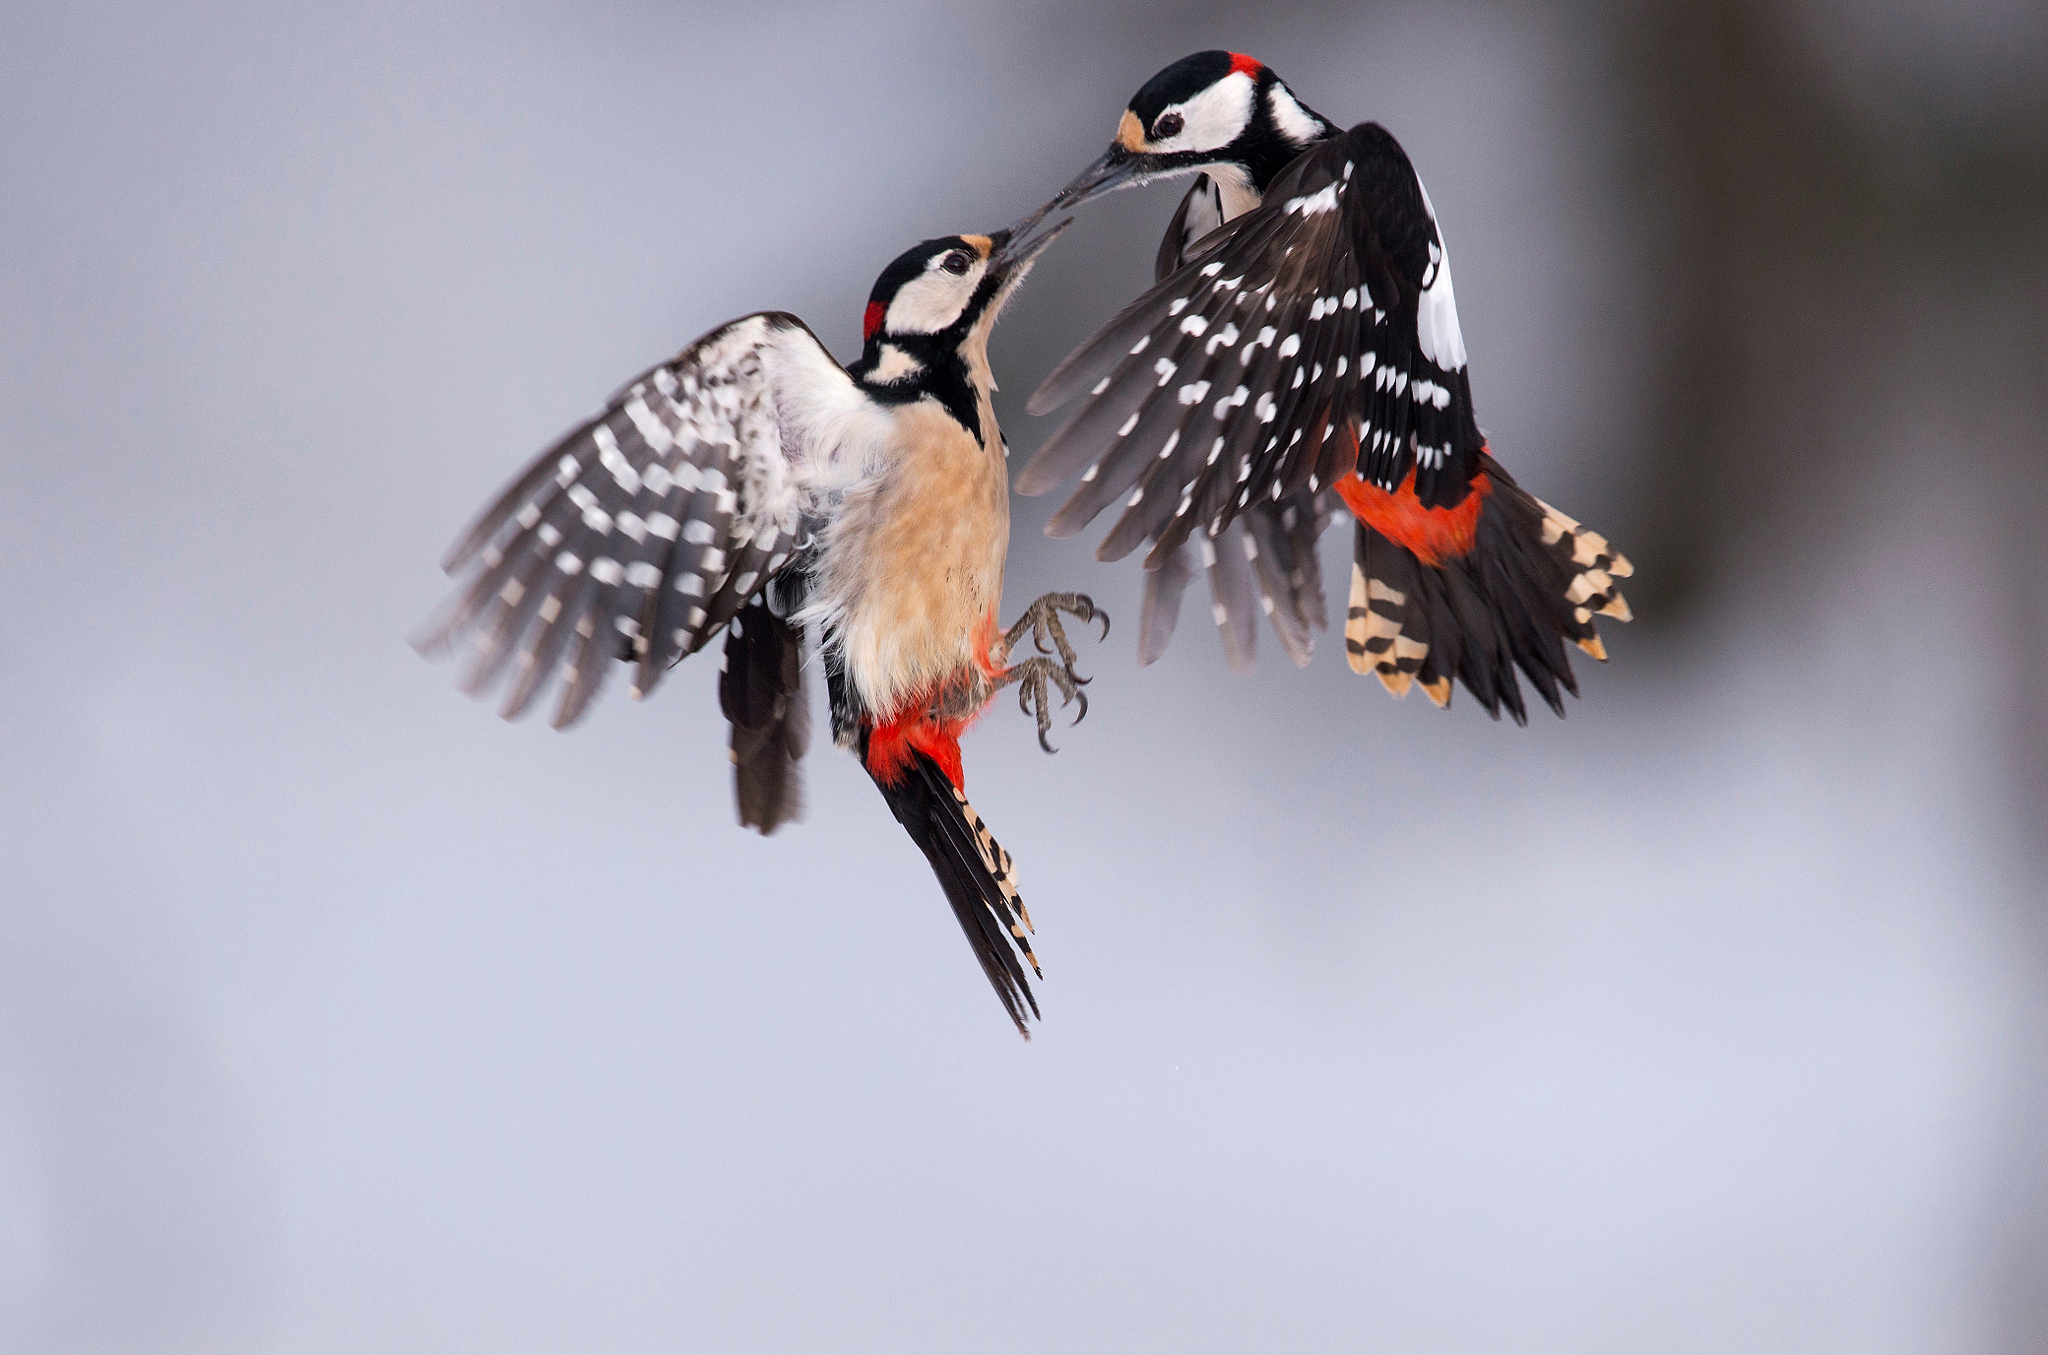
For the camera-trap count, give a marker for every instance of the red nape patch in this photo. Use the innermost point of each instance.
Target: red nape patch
(871, 321)
(1429, 534)
(1240, 64)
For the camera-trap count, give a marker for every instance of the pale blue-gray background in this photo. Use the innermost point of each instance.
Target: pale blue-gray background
(338, 1016)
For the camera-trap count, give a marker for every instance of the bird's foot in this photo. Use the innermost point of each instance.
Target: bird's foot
(1042, 619)
(1035, 676)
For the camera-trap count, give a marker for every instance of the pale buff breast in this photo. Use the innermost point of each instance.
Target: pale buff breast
(913, 566)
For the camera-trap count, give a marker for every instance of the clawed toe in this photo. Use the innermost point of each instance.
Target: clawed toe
(1037, 675)
(1042, 620)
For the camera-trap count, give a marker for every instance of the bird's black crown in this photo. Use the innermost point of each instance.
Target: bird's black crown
(1186, 78)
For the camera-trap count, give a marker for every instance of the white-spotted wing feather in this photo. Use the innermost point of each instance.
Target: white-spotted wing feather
(645, 529)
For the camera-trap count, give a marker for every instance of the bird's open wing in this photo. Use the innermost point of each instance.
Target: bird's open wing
(1311, 336)
(1270, 550)
(643, 531)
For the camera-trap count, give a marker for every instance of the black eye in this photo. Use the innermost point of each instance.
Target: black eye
(954, 263)
(1168, 125)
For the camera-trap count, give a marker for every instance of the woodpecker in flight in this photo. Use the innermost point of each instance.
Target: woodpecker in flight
(753, 485)
(1299, 355)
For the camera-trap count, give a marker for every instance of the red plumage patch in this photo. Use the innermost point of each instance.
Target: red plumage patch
(1429, 534)
(914, 729)
(891, 744)
(1240, 64)
(871, 321)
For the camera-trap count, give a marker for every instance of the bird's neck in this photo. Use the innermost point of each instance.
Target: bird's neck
(1284, 130)
(1237, 192)
(899, 369)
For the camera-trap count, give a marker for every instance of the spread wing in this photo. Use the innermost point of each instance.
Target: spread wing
(1311, 336)
(642, 532)
(1270, 549)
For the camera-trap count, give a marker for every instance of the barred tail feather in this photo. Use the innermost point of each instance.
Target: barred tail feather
(1531, 580)
(1593, 591)
(977, 874)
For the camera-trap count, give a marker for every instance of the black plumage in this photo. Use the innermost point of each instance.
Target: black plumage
(761, 691)
(1506, 604)
(975, 873)
(1292, 329)
(1300, 351)
(1289, 593)
(756, 487)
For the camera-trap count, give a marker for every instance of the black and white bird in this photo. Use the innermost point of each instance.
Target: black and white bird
(753, 486)
(1299, 355)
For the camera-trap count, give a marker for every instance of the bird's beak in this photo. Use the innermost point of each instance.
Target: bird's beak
(1118, 168)
(1010, 256)
(1015, 248)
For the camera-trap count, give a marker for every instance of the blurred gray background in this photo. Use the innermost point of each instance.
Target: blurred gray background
(336, 1015)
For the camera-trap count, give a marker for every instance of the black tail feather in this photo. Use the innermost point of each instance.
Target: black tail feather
(1532, 580)
(976, 874)
(762, 694)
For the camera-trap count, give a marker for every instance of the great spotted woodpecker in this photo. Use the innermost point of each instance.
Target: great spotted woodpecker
(1300, 351)
(754, 486)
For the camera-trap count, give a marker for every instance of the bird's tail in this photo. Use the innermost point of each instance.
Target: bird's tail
(761, 690)
(973, 869)
(1474, 592)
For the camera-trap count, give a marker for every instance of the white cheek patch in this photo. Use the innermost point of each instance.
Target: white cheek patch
(932, 301)
(1213, 118)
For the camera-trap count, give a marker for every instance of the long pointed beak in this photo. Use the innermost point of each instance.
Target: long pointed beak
(1016, 247)
(1116, 169)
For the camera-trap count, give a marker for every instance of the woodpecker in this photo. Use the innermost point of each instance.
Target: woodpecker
(753, 486)
(1298, 357)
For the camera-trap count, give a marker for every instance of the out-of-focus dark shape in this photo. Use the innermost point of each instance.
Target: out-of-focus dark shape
(1851, 208)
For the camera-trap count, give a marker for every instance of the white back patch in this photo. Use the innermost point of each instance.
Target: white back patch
(1296, 123)
(1436, 311)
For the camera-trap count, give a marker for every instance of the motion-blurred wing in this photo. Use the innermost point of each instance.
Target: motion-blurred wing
(1273, 549)
(1311, 336)
(641, 533)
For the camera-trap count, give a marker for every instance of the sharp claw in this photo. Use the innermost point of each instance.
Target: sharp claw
(1036, 676)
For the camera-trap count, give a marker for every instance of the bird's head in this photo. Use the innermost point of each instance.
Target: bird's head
(1216, 111)
(939, 299)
